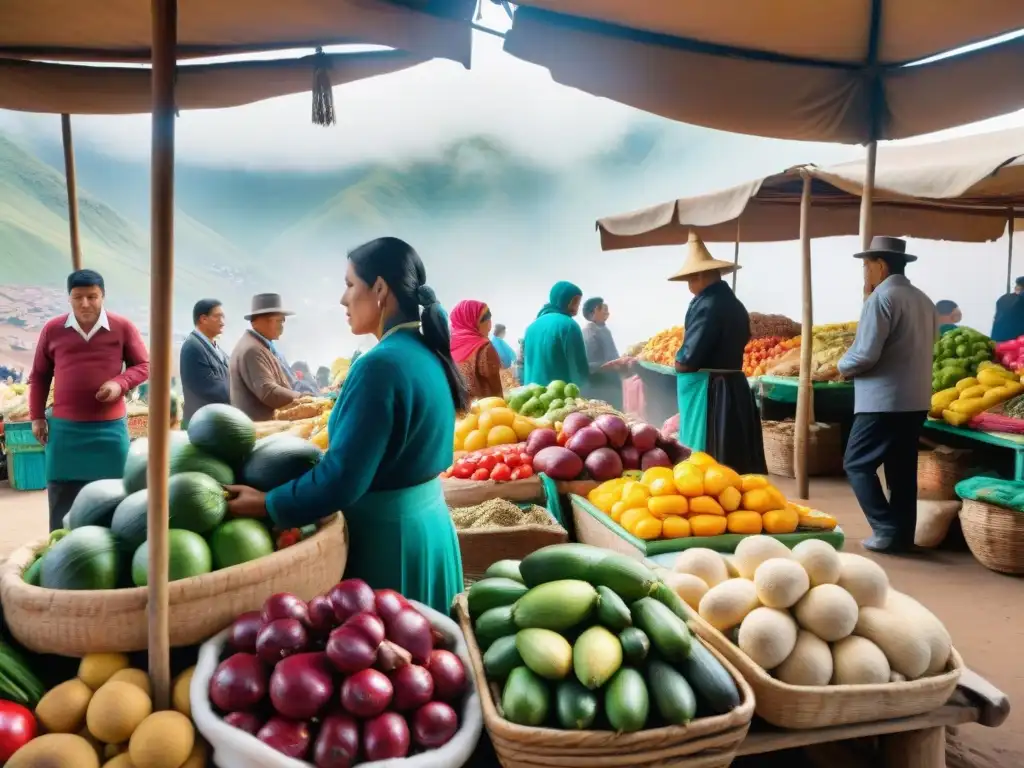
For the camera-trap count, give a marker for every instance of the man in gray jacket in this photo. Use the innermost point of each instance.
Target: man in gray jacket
(890, 363)
(203, 364)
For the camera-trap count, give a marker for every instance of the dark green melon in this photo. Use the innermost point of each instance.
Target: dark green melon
(138, 460)
(87, 558)
(223, 432)
(129, 521)
(196, 502)
(95, 503)
(280, 460)
(188, 555)
(185, 457)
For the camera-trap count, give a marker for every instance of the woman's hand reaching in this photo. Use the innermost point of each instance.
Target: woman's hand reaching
(244, 501)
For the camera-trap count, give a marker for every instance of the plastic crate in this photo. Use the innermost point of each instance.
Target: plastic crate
(26, 466)
(20, 433)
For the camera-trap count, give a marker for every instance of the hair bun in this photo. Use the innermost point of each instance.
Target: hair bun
(425, 296)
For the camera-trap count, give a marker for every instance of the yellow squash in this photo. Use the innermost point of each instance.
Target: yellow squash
(744, 522)
(781, 521)
(663, 506)
(705, 505)
(707, 525)
(675, 528)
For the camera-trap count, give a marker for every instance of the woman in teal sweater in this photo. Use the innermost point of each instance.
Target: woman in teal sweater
(553, 349)
(390, 436)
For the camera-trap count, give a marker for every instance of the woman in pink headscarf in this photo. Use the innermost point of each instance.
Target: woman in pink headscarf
(472, 351)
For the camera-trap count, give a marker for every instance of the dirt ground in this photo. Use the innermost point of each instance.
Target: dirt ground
(982, 609)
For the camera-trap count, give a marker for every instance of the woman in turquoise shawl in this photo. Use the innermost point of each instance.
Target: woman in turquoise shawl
(390, 436)
(553, 349)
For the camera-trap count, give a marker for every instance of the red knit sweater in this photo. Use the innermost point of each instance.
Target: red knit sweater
(81, 367)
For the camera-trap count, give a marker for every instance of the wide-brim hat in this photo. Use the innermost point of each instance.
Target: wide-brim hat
(883, 247)
(267, 304)
(699, 259)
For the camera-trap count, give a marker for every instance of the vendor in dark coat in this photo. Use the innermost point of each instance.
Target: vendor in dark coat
(717, 412)
(203, 364)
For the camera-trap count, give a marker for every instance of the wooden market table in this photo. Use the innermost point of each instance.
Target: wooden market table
(1009, 442)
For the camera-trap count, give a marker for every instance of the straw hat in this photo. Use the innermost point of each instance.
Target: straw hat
(698, 260)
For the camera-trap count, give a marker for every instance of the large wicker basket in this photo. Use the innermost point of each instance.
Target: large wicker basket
(939, 470)
(73, 622)
(824, 449)
(709, 742)
(995, 535)
(805, 707)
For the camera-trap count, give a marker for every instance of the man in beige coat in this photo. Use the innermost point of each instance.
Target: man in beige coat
(260, 384)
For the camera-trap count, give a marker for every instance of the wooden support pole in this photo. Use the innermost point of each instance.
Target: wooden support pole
(165, 24)
(736, 255)
(867, 196)
(1010, 225)
(805, 393)
(71, 182)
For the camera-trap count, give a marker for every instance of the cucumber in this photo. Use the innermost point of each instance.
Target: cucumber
(673, 696)
(493, 593)
(575, 706)
(626, 702)
(560, 561)
(612, 611)
(557, 605)
(596, 656)
(667, 632)
(667, 596)
(712, 683)
(629, 578)
(545, 652)
(525, 699)
(501, 658)
(493, 624)
(31, 574)
(635, 645)
(505, 569)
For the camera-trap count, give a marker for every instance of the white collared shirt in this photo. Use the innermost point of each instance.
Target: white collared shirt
(103, 323)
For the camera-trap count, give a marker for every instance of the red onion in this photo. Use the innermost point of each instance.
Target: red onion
(239, 683)
(280, 638)
(321, 614)
(449, 675)
(244, 721)
(369, 625)
(366, 693)
(288, 737)
(414, 687)
(284, 605)
(411, 630)
(434, 724)
(350, 597)
(350, 651)
(389, 603)
(337, 744)
(643, 437)
(242, 635)
(301, 685)
(574, 422)
(614, 427)
(386, 737)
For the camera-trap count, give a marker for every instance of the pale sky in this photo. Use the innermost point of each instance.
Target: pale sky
(415, 112)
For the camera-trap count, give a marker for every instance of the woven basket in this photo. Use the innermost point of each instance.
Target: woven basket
(824, 449)
(709, 742)
(939, 470)
(797, 707)
(76, 622)
(995, 535)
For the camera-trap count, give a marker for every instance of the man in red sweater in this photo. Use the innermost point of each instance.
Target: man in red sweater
(94, 357)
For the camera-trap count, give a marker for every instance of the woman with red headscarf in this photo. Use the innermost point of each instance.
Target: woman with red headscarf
(472, 351)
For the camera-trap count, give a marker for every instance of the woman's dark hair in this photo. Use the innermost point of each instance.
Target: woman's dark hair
(396, 263)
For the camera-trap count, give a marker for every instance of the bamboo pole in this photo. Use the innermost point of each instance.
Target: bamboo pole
(867, 195)
(71, 182)
(1010, 224)
(805, 393)
(736, 255)
(165, 22)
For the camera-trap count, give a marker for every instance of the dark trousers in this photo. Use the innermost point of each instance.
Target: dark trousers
(887, 440)
(61, 496)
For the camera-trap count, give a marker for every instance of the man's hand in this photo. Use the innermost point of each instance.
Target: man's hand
(246, 502)
(109, 392)
(41, 430)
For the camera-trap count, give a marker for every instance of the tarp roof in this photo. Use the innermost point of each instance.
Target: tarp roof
(959, 189)
(797, 69)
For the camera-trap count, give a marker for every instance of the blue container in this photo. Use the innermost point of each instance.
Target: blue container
(26, 458)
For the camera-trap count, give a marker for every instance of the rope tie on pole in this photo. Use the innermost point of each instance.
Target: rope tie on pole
(323, 98)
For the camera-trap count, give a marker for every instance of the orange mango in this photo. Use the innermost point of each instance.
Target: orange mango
(717, 478)
(753, 482)
(647, 528)
(663, 486)
(781, 521)
(701, 459)
(664, 506)
(655, 473)
(705, 505)
(615, 513)
(707, 525)
(675, 527)
(758, 500)
(689, 479)
(730, 499)
(743, 522)
(635, 494)
(631, 516)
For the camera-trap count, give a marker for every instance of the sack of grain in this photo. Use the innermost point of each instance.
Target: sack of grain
(772, 325)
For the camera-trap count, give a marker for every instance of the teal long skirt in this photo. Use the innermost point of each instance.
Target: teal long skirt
(405, 540)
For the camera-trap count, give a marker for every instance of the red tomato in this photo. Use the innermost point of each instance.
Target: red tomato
(470, 459)
(463, 471)
(513, 460)
(501, 473)
(489, 462)
(481, 474)
(17, 728)
(522, 472)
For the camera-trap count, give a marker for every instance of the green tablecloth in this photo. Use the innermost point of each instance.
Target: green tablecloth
(1013, 443)
(784, 389)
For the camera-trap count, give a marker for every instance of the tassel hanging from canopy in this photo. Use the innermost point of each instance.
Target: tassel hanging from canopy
(323, 98)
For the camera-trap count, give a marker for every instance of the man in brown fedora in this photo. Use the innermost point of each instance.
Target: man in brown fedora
(260, 383)
(717, 412)
(890, 363)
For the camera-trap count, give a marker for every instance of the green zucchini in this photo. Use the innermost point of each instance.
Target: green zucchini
(673, 696)
(667, 632)
(560, 561)
(493, 593)
(501, 658)
(492, 624)
(626, 702)
(557, 605)
(629, 578)
(575, 706)
(712, 683)
(505, 569)
(612, 612)
(635, 645)
(525, 699)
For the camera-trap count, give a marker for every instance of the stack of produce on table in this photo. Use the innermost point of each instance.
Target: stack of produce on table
(307, 407)
(14, 402)
(830, 343)
(499, 513)
(779, 326)
(553, 402)
(104, 716)
(957, 355)
(600, 449)
(972, 395)
(581, 638)
(1011, 354)
(760, 354)
(351, 676)
(699, 497)
(812, 616)
(663, 346)
(339, 371)
(491, 422)
(106, 546)
(501, 464)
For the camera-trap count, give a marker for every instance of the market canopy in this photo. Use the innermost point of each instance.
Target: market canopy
(803, 69)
